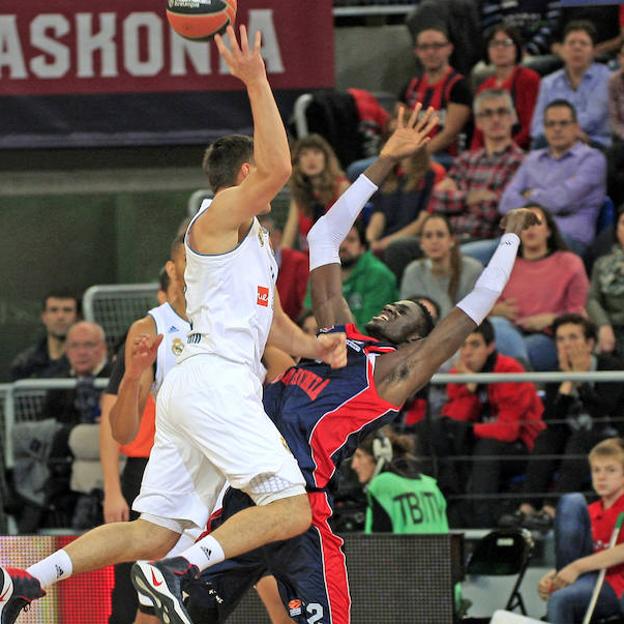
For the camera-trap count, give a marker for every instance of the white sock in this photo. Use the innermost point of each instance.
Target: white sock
(204, 553)
(331, 229)
(57, 567)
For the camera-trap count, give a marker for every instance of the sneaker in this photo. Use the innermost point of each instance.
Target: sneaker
(540, 521)
(17, 590)
(162, 582)
(512, 520)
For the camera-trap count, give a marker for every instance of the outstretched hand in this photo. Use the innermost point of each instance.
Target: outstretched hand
(332, 349)
(243, 62)
(142, 354)
(519, 220)
(412, 134)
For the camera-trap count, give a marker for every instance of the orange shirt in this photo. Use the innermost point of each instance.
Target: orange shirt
(144, 440)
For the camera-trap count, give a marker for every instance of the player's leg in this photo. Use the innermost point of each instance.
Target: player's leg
(228, 426)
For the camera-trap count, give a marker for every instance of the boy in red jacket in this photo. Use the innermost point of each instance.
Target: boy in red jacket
(488, 421)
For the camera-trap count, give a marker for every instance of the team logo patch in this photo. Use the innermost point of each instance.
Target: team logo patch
(294, 607)
(177, 346)
(263, 296)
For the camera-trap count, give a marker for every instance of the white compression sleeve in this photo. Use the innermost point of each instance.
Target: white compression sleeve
(330, 230)
(488, 288)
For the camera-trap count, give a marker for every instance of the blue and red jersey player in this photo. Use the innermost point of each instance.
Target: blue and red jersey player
(322, 414)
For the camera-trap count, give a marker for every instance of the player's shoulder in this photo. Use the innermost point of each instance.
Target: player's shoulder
(145, 325)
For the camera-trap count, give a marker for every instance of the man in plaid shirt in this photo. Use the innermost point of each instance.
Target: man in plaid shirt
(469, 195)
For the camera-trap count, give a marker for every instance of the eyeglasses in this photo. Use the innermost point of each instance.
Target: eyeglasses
(564, 123)
(488, 113)
(425, 47)
(501, 43)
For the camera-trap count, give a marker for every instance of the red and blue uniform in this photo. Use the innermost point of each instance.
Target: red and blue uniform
(323, 414)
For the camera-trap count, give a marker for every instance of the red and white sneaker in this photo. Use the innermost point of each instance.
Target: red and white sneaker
(17, 590)
(163, 582)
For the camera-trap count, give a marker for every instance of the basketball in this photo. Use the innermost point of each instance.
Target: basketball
(200, 20)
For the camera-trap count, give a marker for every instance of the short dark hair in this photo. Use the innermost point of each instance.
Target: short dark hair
(60, 293)
(224, 158)
(561, 103)
(428, 322)
(163, 280)
(486, 330)
(511, 32)
(432, 302)
(584, 25)
(438, 27)
(360, 228)
(589, 329)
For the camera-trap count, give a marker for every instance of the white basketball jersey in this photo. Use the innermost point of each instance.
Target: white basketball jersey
(174, 329)
(229, 298)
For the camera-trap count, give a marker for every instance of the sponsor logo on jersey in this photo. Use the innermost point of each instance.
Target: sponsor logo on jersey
(356, 346)
(263, 296)
(172, 330)
(294, 607)
(177, 346)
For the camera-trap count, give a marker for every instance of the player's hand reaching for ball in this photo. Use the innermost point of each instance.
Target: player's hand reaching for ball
(332, 349)
(244, 62)
(518, 220)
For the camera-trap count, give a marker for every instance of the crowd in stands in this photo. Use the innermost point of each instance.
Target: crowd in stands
(536, 121)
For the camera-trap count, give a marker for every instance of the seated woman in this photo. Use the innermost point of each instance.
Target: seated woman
(605, 304)
(547, 281)
(399, 207)
(444, 274)
(504, 52)
(316, 182)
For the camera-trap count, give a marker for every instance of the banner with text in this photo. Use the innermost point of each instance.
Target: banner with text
(113, 72)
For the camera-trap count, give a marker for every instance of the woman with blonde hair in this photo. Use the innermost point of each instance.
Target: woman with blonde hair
(316, 182)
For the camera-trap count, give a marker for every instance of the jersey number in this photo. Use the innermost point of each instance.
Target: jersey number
(315, 611)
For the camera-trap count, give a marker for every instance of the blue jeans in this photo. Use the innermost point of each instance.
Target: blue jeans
(481, 250)
(537, 349)
(572, 541)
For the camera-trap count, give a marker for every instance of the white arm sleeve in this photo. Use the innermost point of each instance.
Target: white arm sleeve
(479, 303)
(330, 230)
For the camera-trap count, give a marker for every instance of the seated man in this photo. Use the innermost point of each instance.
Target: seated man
(86, 352)
(47, 357)
(582, 82)
(578, 417)
(496, 419)
(567, 177)
(582, 537)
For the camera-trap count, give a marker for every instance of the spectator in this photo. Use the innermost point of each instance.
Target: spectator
(535, 21)
(504, 53)
(292, 276)
(471, 192)
(567, 178)
(441, 87)
(578, 416)
(444, 274)
(615, 156)
(400, 205)
(605, 304)
(316, 182)
(582, 82)
(400, 498)
(546, 282)
(582, 536)
(86, 351)
(493, 419)
(47, 357)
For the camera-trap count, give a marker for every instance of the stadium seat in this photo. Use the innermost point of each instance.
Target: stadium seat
(606, 216)
(503, 552)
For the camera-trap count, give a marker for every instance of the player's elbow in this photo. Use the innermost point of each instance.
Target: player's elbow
(122, 436)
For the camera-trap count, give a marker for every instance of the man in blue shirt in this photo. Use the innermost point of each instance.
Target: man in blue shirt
(567, 178)
(581, 82)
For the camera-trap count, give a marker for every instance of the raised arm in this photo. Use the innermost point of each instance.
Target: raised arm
(324, 239)
(236, 205)
(398, 375)
(140, 354)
